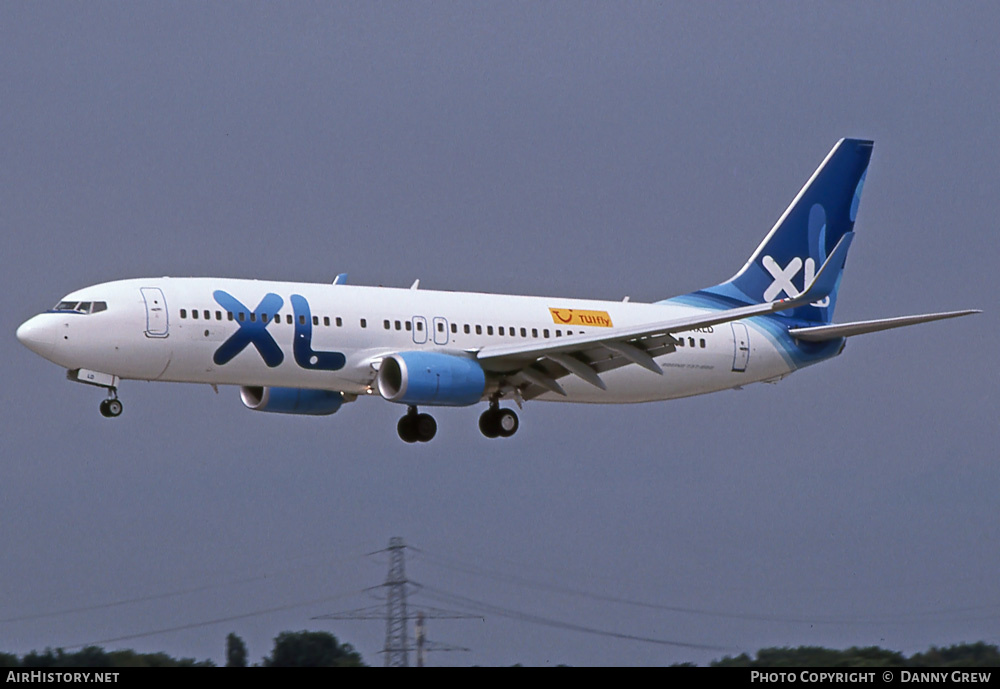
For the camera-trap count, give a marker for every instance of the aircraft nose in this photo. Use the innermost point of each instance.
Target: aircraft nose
(37, 335)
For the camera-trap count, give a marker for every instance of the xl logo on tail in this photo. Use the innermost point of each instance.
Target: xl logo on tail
(782, 281)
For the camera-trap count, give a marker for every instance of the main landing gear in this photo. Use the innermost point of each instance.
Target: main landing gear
(416, 427)
(497, 422)
(111, 407)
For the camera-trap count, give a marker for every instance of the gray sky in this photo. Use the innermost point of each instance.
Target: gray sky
(567, 149)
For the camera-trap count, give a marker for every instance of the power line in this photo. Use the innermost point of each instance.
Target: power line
(489, 608)
(220, 620)
(914, 616)
(164, 595)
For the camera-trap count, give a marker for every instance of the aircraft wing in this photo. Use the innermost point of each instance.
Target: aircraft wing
(533, 367)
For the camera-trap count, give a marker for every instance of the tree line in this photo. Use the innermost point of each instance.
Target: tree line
(322, 649)
(291, 649)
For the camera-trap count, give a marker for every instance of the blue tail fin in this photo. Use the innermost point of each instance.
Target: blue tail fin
(798, 244)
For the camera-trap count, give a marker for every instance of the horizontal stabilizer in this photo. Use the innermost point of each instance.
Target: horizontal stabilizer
(821, 333)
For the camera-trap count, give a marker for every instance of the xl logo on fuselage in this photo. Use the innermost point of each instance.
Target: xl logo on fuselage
(782, 281)
(253, 331)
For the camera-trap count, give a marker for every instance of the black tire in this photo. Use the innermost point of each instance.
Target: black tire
(507, 423)
(488, 423)
(407, 429)
(104, 409)
(426, 427)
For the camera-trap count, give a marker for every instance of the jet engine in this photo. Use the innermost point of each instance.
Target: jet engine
(431, 378)
(291, 400)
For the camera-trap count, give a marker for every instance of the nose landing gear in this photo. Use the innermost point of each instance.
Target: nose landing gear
(111, 407)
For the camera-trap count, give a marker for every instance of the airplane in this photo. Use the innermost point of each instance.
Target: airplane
(299, 348)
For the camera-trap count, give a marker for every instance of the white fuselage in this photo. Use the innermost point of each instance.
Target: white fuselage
(138, 337)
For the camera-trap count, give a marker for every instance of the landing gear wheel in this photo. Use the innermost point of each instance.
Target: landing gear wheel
(407, 429)
(506, 422)
(416, 427)
(498, 423)
(426, 427)
(111, 408)
(488, 425)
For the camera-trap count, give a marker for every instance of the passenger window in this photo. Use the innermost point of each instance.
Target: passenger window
(524, 332)
(288, 318)
(558, 333)
(385, 324)
(479, 330)
(339, 322)
(253, 316)
(302, 320)
(409, 326)
(440, 327)
(680, 342)
(466, 328)
(263, 318)
(545, 333)
(703, 343)
(691, 341)
(184, 313)
(364, 322)
(229, 315)
(534, 332)
(326, 321)
(208, 316)
(399, 326)
(315, 320)
(194, 314)
(500, 331)
(454, 329)
(218, 315)
(489, 329)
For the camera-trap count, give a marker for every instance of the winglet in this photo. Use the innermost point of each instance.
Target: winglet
(341, 279)
(826, 279)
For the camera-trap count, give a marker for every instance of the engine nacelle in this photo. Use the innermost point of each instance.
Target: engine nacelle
(431, 378)
(291, 400)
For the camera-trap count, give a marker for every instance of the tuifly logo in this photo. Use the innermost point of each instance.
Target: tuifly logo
(599, 319)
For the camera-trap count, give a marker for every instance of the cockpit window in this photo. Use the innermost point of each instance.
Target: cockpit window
(82, 306)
